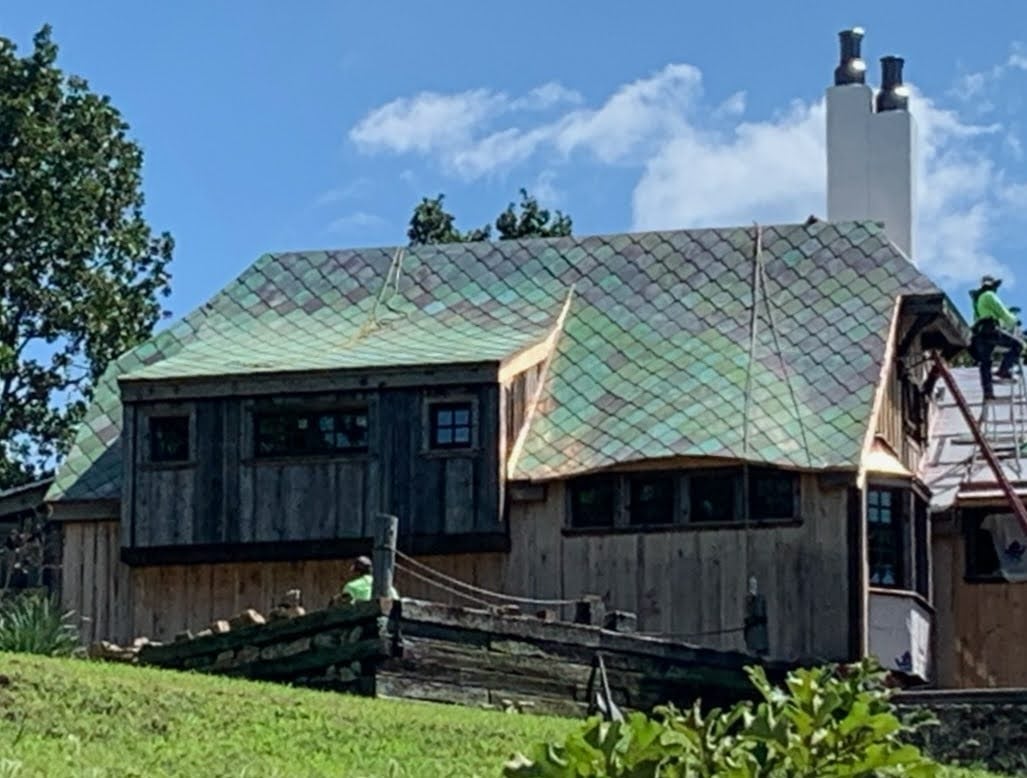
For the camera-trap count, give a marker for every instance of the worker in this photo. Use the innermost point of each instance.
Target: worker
(991, 330)
(359, 588)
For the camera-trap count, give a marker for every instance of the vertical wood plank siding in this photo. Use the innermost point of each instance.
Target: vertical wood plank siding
(225, 494)
(686, 582)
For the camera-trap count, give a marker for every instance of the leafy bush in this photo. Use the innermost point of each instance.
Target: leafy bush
(831, 722)
(33, 623)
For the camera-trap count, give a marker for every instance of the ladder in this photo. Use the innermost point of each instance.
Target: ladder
(1006, 430)
(1004, 424)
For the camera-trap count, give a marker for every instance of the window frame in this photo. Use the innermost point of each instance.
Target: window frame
(313, 414)
(434, 425)
(794, 482)
(973, 538)
(623, 501)
(900, 532)
(610, 481)
(667, 479)
(156, 415)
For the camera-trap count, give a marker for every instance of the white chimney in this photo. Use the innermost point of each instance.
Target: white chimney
(871, 155)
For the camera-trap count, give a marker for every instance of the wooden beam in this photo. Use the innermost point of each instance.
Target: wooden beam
(517, 363)
(300, 382)
(887, 363)
(86, 510)
(300, 550)
(383, 557)
(529, 416)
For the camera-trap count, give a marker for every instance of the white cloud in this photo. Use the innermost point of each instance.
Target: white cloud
(358, 220)
(546, 96)
(705, 164)
(426, 122)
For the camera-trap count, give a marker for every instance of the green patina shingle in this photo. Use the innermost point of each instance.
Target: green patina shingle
(652, 362)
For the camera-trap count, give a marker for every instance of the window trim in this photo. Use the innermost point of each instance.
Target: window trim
(614, 480)
(901, 529)
(313, 411)
(682, 479)
(435, 425)
(635, 479)
(428, 405)
(970, 528)
(144, 439)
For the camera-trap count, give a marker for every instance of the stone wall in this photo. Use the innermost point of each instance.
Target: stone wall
(336, 648)
(981, 728)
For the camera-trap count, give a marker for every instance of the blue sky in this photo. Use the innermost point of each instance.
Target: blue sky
(271, 128)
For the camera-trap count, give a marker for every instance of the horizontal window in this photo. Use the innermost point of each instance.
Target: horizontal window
(685, 497)
(169, 439)
(311, 433)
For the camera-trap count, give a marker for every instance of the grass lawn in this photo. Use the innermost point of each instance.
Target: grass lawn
(76, 718)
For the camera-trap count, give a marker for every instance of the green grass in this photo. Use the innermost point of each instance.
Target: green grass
(66, 717)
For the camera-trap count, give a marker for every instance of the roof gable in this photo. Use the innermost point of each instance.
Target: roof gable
(652, 360)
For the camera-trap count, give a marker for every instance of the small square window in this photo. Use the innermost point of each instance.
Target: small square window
(712, 498)
(169, 438)
(593, 501)
(652, 500)
(772, 494)
(451, 425)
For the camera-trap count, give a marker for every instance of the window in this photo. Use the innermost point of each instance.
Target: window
(886, 538)
(652, 500)
(914, 407)
(451, 425)
(169, 438)
(922, 544)
(996, 549)
(772, 494)
(311, 433)
(594, 501)
(712, 497)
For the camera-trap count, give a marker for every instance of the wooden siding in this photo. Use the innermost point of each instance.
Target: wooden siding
(891, 421)
(682, 581)
(981, 628)
(226, 495)
(686, 582)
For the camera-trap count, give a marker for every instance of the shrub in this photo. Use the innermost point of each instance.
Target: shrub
(33, 623)
(828, 722)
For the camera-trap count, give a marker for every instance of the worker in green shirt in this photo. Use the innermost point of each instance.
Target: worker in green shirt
(359, 588)
(992, 327)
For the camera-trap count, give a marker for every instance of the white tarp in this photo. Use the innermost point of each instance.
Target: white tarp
(1010, 545)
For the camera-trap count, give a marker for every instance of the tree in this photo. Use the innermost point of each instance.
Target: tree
(80, 270)
(533, 221)
(431, 223)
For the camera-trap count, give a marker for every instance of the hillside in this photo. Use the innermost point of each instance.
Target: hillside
(70, 717)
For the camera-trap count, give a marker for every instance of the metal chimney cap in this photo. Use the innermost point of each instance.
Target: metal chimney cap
(851, 67)
(894, 95)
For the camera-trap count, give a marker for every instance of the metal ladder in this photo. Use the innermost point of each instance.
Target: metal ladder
(983, 446)
(1004, 423)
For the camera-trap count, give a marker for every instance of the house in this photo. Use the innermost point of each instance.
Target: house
(29, 551)
(978, 546)
(673, 420)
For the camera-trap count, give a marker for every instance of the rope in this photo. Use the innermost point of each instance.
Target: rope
(407, 571)
(754, 320)
(784, 365)
(479, 590)
(390, 285)
(687, 635)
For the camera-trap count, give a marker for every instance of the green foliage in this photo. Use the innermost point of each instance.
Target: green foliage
(431, 223)
(831, 722)
(533, 222)
(33, 623)
(80, 271)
